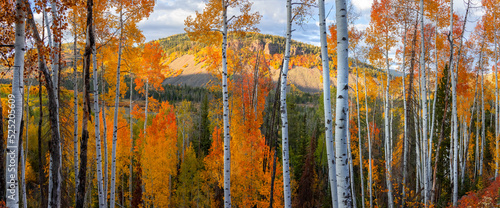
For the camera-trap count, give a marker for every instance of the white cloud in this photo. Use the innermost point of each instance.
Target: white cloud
(362, 5)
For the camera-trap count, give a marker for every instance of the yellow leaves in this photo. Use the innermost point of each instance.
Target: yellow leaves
(159, 157)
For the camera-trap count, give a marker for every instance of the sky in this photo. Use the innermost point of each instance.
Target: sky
(169, 15)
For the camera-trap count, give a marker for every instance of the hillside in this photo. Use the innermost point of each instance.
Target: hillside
(306, 79)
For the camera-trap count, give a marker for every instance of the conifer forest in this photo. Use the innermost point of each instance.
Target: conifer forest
(249, 103)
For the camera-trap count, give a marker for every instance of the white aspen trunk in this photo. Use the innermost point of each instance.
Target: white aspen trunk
(75, 109)
(49, 39)
(433, 118)
(342, 108)
(423, 89)
(454, 114)
(105, 147)
(387, 134)
(55, 80)
(284, 116)
(330, 151)
(359, 143)
(24, 152)
(97, 134)
(351, 168)
(476, 155)
(405, 128)
(370, 181)
(105, 139)
(497, 125)
(132, 143)
(115, 117)
(11, 180)
(482, 125)
(146, 107)
(225, 104)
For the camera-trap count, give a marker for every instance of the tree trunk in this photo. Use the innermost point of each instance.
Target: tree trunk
(53, 111)
(387, 134)
(12, 196)
(482, 124)
(405, 127)
(423, 89)
(497, 125)
(55, 71)
(75, 109)
(146, 92)
(227, 146)
(361, 176)
(115, 118)
(24, 153)
(370, 181)
(132, 144)
(330, 151)
(82, 173)
(351, 168)
(97, 134)
(40, 158)
(454, 114)
(283, 109)
(342, 108)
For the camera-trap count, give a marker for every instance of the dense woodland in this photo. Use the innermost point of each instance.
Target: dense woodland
(87, 121)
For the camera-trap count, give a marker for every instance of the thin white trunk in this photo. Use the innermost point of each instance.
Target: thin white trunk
(97, 134)
(482, 125)
(405, 130)
(131, 144)
(115, 117)
(387, 134)
(55, 80)
(11, 180)
(423, 89)
(75, 109)
(330, 151)
(146, 107)
(351, 168)
(105, 147)
(24, 153)
(359, 143)
(342, 108)
(370, 181)
(497, 125)
(454, 114)
(225, 105)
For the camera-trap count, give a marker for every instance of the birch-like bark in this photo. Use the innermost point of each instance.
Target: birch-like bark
(387, 146)
(370, 179)
(97, 134)
(405, 128)
(105, 146)
(75, 109)
(423, 89)
(454, 113)
(351, 168)
(497, 125)
(342, 108)
(24, 152)
(115, 118)
(482, 125)
(225, 106)
(330, 151)
(130, 188)
(55, 79)
(11, 181)
(359, 143)
(146, 107)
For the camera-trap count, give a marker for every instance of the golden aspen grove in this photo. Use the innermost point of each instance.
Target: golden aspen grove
(249, 103)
